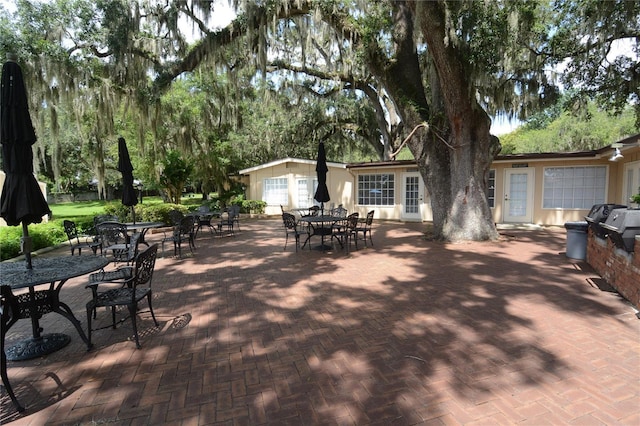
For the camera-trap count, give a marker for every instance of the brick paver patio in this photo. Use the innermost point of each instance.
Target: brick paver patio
(411, 331)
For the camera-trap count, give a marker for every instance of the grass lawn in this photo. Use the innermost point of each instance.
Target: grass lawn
(78, 209)
(75, 209)
(52, 232)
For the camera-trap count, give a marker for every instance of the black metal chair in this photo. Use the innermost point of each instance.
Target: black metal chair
(182, 232)
(175, 216)
(339, 211)
(9, 315)
(349, 232)
(74, 239)
(97, 220)
(229, 219)
(131, 292)
(115, 240)
(291, 228)
(364, 227)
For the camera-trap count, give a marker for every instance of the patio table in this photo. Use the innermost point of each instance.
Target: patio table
(143, 227)
(54, 272)
(322, 226)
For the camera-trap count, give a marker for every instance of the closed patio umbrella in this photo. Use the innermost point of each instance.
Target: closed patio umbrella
(129, 196)
(22, 201)
(322, 192)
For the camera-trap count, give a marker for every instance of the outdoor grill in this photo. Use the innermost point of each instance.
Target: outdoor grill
(598, 215)
(622, 226)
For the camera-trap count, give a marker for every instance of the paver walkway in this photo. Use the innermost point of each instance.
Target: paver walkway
(410, 331)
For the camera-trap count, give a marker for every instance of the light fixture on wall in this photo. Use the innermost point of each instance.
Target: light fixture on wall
(617, 155)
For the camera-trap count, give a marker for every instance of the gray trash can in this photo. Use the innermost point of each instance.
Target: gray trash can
(577, 240)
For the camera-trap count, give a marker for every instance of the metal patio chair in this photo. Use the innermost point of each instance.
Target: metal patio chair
(131, 292)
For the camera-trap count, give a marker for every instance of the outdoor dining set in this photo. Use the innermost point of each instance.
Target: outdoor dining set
(123, 286)
(30, 293)
(334, 225)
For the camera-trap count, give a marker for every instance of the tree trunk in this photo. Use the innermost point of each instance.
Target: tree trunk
(455, 156)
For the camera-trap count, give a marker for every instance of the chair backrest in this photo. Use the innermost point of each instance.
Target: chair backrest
(112, 233)
(352, 221)
(289, 220)
(133, 246)
(144, 266)
(97, 220)
(186, 226)
(313, 210)
(204, 209)
(71, 230)
(175, 216)
(234, 211)
(369, 219)
(339, 211)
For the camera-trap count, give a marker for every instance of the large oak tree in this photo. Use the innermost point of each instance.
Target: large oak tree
(443, 66)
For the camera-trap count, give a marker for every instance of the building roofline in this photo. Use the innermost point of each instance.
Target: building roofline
(288, 160)
(627, 143)
(381, 164)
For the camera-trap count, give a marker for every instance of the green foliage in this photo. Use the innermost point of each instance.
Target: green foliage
(42, 235)
(248, 206)
(118, 209)
(233, 195)
(176, 171)
(82, 213)
(253, 206)
(10, 241)
(583, 33)
(160, 212)
(636, 197)
(568, 133)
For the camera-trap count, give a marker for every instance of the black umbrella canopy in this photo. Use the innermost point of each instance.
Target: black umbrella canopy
(22, 201)
(322, 193)
(129, 196)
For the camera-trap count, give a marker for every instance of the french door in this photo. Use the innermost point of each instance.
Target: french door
(518, 197)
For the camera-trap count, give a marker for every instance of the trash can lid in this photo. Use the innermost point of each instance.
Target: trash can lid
(582, 225)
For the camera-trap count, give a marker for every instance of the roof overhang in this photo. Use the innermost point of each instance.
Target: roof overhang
(596, 154)
(382, 164)
(288, 160)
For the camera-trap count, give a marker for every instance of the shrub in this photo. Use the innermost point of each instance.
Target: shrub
(160, 212)
(42, 235)
(123, 212)
(253, 206)
(248, 206)
(10, 241)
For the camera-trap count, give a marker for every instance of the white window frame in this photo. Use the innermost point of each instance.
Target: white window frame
(491, 188)
(631, 181)
(574, 187)
(385, 183)
(275, 191)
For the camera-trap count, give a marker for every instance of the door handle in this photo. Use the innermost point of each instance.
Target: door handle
(506, 197)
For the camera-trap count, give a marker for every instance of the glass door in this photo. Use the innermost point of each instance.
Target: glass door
(518, 198)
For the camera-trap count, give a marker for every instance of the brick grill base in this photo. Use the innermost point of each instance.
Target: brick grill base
(620, 269)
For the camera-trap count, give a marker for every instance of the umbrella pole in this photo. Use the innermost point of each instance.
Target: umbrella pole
(25, 244)
(133, 213)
